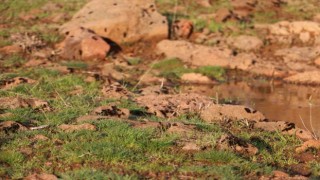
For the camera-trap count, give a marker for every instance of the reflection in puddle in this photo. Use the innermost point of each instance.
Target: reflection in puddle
(279, 102)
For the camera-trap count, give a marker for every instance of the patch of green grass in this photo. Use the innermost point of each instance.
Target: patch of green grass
(56, 90)
(274, 148)
(214, 26)
(174, 69)
(315, 168)
(93, 174)
(199, 24)
(13, 61)
(76, 64)
(51, 38)
(134, 61)
(216, 156)
(171, 68)
(13, 159)
(214, 72)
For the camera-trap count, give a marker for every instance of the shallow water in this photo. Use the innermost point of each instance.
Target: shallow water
(286, 102)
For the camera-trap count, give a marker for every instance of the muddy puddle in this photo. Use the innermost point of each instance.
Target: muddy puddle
(285, 102)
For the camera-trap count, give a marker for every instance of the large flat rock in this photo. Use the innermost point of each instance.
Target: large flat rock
(122, 21)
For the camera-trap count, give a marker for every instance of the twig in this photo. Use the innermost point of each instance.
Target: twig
(143, 75)
(39, 127)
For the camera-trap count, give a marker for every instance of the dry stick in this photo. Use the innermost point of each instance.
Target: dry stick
(143, 75)
(304, 125)
(64, 102)
(311, 123)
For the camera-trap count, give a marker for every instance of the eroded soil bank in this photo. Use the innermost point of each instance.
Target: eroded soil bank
(286, 102)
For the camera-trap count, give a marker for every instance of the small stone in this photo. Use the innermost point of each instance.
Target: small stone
(182, 28)
(83, 44)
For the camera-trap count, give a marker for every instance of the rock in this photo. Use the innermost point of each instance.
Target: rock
(182, 29)
(284, 31)
(196, 78)
(244, 61)
(308, 78)
(305, 37)
(198, 55)
(122, 21)
(83, 44)
(274, 126)
(300, 66)
(217, 112)
(11, 126)
(246, 43)
(223, 15)
(71, 128)
(301, 134)
(298, 54)
(42, 176)
(12, 49)
(189, 146)
(308, 144)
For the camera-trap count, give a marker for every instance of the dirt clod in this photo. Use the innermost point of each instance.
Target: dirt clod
(11, 126)
(231, 142)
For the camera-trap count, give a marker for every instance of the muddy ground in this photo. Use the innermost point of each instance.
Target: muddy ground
(130, 89)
